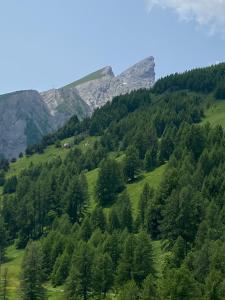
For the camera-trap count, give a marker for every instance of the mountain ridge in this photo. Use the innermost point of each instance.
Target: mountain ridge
(56, 106)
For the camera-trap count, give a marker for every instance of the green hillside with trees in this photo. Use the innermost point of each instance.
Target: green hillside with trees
(132, 209)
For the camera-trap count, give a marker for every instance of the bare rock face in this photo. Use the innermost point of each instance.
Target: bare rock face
(100, 87)
(97, 92)
(24, 120)
(64, 103)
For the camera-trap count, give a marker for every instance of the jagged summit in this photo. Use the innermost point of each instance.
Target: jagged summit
(101, 86)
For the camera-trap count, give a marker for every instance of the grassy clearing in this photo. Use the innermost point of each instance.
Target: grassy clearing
(55, 293)
(13, 262)
(216, 114)
(49, 154)
(134, 189)
(152, 178)
(91, 180)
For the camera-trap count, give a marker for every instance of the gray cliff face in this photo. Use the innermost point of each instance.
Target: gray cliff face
(28, 115)
(24, 120)
(64, 103)
(97, 92)
(100, 87)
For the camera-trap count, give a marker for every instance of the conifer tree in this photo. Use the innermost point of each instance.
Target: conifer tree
(98, 219)
(125, 212)
(143, 263)
(113, 220)
(131, 164)
(149, 289)
(145, 197)
(113, 248)
(102, 274)
(150, 161)
(110, 181)
(79, 283)
(179, 284)
(61, 269)
(125, 267)
(130, 291)
(32, 273)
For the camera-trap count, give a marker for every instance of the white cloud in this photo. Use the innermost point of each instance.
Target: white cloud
(210, 13)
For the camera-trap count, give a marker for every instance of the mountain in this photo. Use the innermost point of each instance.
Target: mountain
(28, 115)
(24, 120)
(101, 86)
(137, 197)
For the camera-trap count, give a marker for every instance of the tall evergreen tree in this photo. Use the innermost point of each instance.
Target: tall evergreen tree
(143, 263)
(130, 291)
(102, 274)
(125, 212)
(131, 164)
(32, 273)
(79, 284)
(180, 284)
(145, 197)
(149, 289)
(110, 181)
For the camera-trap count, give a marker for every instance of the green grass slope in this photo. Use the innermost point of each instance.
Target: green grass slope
(50, 153)
(215, 115)
(13, 265)
(13, 262)
(93, 76)
(134, 189)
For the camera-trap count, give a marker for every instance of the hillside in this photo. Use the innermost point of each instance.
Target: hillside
(133, 208)
(215, 115)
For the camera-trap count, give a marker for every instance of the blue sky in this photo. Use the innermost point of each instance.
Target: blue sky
(48, 43)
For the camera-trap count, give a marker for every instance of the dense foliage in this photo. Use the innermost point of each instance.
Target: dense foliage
(104, 249)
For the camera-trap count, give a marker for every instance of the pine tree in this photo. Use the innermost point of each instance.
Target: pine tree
(76, 198)
(149, 289)
(110, 182)
(85, 229)
(61, 269)
(32, 273)
(113, 248)
(179, 284)
(98, 219)
(150, 161)
(102, 274)
(113, 220)
(125, 212)
(130, 291)
(79, 283)
(125, 267)
(143, 263)
(145, 197)
(131, 164)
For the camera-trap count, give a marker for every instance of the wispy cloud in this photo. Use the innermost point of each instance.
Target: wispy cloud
(209, 13)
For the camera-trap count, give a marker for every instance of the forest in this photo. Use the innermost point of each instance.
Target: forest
(93, 243)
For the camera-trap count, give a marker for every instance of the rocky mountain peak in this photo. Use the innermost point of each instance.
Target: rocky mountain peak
(107, 72)
(143, 70)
